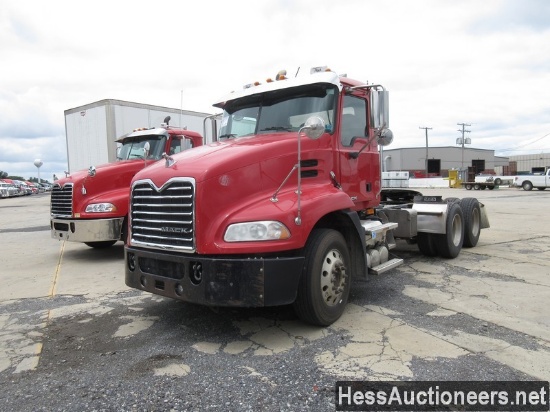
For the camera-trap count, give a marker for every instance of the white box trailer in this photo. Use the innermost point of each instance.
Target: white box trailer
(91, 130)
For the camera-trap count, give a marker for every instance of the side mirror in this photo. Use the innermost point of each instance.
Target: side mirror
(146, 149)
(379, 109)
(314, 127)
(385, 137)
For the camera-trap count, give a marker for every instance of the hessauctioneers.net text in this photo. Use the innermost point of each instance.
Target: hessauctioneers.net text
(448, 395)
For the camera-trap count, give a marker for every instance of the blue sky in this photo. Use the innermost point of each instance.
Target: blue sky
(444, 62)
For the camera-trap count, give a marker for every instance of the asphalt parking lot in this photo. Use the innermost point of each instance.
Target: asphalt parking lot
(74, 337)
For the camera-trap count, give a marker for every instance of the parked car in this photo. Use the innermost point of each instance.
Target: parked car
(7, 190)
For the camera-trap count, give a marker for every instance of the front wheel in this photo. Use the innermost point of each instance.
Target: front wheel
(324, 287)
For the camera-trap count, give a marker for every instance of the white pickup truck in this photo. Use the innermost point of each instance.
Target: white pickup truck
(528, 182)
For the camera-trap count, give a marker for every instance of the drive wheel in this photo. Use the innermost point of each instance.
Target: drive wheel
(472, 221)
(324, 287)
(477, 187)
(468, 187)
(426, 244)
(451, 200)
(101, 245)
(449, 244)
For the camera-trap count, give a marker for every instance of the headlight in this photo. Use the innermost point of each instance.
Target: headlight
(100, 208)
(255, 231)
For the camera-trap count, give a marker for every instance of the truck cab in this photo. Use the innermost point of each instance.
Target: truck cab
(91, 206)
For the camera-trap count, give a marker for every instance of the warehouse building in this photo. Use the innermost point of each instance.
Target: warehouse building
(532, 163)
(442, 159)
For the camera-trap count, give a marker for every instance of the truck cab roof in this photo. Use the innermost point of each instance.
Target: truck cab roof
(285, 83)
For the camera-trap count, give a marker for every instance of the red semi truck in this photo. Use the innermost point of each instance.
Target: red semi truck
(288, 206)
(91, 206)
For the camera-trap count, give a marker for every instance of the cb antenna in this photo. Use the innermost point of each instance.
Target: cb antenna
(296, 75)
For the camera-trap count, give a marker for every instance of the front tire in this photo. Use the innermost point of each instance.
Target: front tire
(324, 287)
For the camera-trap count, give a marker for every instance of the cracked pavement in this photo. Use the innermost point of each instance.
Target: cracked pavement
(74, 337)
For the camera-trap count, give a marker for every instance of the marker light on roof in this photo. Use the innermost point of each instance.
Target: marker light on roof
(281, 75)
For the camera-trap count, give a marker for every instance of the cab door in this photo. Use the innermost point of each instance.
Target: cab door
(359, 161)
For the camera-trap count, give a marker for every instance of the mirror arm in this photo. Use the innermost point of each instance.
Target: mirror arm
(355, 155)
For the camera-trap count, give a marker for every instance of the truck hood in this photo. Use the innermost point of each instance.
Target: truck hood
(109, 175)
(217, 159)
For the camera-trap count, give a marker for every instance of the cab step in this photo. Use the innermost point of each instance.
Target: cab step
(384, 267)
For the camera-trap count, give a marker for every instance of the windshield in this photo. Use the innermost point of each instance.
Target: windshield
(133, 148)
(279, 110)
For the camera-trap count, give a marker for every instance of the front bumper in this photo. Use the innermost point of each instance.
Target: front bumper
(83, 230)
(215, 281)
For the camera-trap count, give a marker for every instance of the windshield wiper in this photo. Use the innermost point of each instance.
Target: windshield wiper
(228, 135)
(277, 129)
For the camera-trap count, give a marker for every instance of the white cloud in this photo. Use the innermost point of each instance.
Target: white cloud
(444, 62)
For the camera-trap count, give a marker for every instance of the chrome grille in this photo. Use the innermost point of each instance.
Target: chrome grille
(163, 218)
(61, 200)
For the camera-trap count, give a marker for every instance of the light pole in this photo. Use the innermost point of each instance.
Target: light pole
(426, 129)
(462, 141)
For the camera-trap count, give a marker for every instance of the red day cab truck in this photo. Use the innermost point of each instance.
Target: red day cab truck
(288, 206)
(91, 206)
